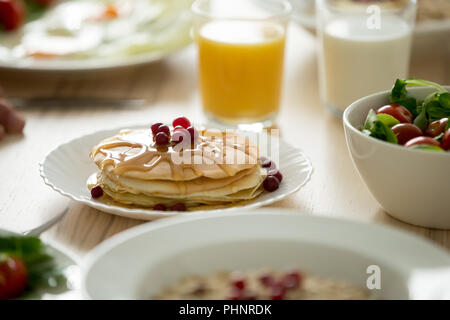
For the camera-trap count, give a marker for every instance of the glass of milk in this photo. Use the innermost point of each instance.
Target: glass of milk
(363, 47)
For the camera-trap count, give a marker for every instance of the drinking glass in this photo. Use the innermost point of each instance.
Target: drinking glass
(364, 46)
(240, 58)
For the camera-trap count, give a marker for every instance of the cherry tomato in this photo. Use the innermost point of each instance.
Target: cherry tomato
(12, 14)
(13, 278)
(406, 132)
(445, 144)
(422, 140)
(398, 112)
(436, 127)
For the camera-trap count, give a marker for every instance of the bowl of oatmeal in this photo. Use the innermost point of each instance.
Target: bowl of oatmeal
(228, 256)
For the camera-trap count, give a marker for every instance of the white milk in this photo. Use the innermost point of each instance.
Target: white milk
(357, 61)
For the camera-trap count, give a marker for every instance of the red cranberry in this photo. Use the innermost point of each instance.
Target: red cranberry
(291, 280)
(161, 139)
(271, 183)
(267, 163)
(163, 128)
(276, 173)
(155, 127)
(179, 207)
(160, 207)
(181, 121)
(96, 192)
(267, 280)
(180, 135)
(238, 283)
(277, 292)
(193, 133)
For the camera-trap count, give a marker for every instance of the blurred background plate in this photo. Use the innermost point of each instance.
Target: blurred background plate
(74, 35)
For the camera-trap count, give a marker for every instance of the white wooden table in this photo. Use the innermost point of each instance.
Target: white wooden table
(170, 89)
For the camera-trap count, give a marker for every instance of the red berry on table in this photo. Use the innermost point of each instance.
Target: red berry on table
(292, 280)
(436, 127)
(163, 128)
(155, 127)
(96, 192)
(179, 207)
(277, 292)
(267, 280)
(445, 144)
(398, 112)
(12, 14)
(193, 133)
(162, 139)
(406, 132)
(159, 207)
(238, 283)
(13, 278)
(271, 183)
(180, 135)
(422, 141)
(181, 121)
(276, 173)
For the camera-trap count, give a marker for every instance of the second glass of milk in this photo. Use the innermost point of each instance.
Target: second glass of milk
(363, 47)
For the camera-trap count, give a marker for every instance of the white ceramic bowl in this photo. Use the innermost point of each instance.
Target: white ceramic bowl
(141, 261)
(411, 185)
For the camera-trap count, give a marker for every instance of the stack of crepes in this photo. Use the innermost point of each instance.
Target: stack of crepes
(219, 169)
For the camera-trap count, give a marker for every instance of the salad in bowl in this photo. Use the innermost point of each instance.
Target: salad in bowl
(399, 144)
(411, 123)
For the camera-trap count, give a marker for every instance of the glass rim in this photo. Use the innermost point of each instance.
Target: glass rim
(283, 13)
(408, 4)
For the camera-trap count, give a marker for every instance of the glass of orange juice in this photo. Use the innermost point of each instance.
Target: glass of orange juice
(240, 58)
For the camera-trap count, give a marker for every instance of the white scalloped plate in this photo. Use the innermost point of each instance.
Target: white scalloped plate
(67, 168)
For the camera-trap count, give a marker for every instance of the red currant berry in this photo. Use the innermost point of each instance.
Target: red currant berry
(161, 139)
(163, 128)
(155, 127)
(277, 292)
(179, 207)
(193, 133)
(267, 280)
(160, 207)
(276, 173)
(238, 283)
(180, 135)
(267, 163)
(271, 183)
(291, 280)
(181, 121)
(96, 192)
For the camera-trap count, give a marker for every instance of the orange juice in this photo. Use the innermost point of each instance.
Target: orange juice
(241, 69)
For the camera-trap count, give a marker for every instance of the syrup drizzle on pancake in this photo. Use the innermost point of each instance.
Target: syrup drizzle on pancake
(135, 150)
